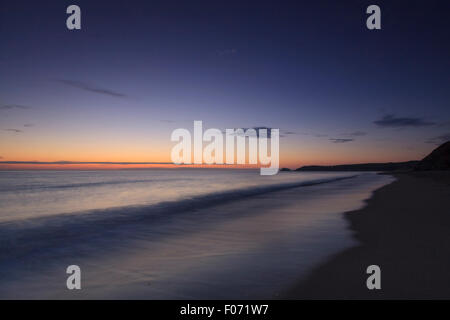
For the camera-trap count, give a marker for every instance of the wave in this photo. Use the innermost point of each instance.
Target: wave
(77, 185)
(196, 202)
(61, 226)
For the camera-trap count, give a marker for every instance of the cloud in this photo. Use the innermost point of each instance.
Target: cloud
(439, 139)
(1, 157)
(391, 121)
(91, 88)
(285, 133)
(269, 131)
(28, 125)
(167, 121)
(13, 130)
(282, 133)
(14, 106)
(341, 140)
(257, 129)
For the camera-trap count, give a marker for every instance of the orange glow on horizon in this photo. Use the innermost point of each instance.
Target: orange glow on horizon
(84, 166)
(293, 155)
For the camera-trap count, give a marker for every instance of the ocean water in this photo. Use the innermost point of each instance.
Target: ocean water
(171, 233)
(31, 194)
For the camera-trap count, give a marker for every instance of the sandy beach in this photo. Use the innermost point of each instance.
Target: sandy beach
(404, 229)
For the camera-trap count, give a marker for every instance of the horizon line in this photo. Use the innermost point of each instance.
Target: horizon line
(80, 162)
(62, 164)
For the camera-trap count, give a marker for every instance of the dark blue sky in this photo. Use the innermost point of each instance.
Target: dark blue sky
(138, 69)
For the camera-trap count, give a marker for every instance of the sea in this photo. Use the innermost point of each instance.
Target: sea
(185, 233)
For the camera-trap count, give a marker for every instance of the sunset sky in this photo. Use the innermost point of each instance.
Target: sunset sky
(116, 89)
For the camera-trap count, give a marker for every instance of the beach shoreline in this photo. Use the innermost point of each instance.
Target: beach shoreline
(246, 243)
(405, 230)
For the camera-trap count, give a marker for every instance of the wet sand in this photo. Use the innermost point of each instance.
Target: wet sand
(404, 229)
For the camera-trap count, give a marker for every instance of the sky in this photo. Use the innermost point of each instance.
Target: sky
(116, 89)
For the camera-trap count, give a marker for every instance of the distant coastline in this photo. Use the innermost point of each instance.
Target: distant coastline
(389, 166)
(438, 159)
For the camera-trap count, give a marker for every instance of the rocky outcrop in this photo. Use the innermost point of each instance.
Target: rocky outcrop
(439, 159)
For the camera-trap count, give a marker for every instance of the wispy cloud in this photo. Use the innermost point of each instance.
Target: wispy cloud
(439, 139)
(257, 129)
(14, 106)
(13, 130)
(28, 125)
(341, 140)
(285, 133)
(91, 88)
(391, 121)
(269, 131)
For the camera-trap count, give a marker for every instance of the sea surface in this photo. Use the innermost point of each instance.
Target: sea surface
(171, 233)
